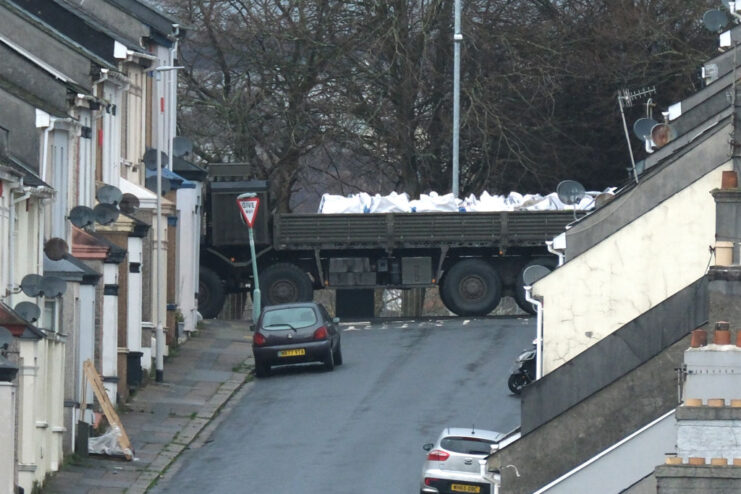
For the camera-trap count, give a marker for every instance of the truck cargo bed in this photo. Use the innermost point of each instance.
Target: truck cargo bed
(409, 230)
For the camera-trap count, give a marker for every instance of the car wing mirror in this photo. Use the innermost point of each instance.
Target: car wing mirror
(336, 320)
(252, 328)
(427, 446)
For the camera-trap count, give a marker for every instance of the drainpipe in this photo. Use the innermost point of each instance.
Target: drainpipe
(539, 331)
(549, 246)
(13, 234)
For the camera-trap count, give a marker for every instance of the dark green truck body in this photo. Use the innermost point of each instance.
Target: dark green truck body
(478, 255)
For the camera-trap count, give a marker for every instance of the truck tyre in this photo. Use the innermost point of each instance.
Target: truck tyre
(283, 283)
(471, 287)
(549, 263)
(210, 293)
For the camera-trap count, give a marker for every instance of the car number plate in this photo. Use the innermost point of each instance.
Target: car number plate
(464, 488)
(297, 352)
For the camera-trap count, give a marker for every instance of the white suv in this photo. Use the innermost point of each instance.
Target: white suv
(452, 464)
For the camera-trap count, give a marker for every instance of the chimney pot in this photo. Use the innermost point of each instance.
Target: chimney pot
(729, 180)
(722, 337)
(718, 461)
(722, 325)
(699, 338)
(716, 402)
(696, 460)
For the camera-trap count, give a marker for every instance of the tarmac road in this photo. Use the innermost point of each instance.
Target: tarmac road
(361, 427)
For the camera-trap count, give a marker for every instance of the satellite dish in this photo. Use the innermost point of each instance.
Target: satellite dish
(81, 216)
(129, 203)
(31, 284)
(105, 214)
(662, 134)
(151, 184)
(570, 192)
(56, 248)
(534, 273)
(150, 159)
(53, 287)
(6, 339)
(109, 194)
(28, 311)
(642, 127)
(715, 20)
(181, 146)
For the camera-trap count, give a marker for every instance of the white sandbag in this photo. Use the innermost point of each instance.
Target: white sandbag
(435, 202)
(392, 203)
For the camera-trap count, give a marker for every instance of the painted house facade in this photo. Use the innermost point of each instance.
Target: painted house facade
(639, 277)
(84, 88)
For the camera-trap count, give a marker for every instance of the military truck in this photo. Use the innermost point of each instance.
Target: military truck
(473, 257)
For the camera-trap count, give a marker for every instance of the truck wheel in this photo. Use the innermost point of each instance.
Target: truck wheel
(471, 287)
(283, 283)
(210, 293)
(549, 263)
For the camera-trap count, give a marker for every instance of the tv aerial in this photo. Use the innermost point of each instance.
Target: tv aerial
(56, 248)
(105, 213)
(28, 311)
(150, 159)
(81, 216)
(108, 194)
(129, 203)
(626, 99)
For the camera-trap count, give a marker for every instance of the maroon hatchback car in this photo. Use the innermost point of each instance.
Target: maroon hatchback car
(295, 333)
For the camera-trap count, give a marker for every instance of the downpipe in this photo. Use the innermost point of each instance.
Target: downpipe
(13, 236)
(539, 331)
(558, 253)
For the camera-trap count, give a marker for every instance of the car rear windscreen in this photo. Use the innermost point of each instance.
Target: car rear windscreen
(467, 445)
(297, 317)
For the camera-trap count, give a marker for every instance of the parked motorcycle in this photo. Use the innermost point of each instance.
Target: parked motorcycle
(523, 371)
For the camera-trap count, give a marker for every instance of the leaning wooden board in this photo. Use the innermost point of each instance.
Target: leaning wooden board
(97, 384)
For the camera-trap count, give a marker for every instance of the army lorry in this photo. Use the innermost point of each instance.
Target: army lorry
(474, 258)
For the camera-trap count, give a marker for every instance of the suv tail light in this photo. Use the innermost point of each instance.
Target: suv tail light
(438, 455)
(321, 333)
(258, 339)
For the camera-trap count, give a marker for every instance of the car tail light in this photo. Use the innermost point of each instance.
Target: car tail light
(321, 333)
(258, 339)
(438, 455)
(431, 481)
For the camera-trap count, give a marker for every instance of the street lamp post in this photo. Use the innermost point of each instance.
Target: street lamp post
(159, 330)
(457, 38)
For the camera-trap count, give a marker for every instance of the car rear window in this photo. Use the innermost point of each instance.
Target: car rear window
(467, 445)
(298, 317)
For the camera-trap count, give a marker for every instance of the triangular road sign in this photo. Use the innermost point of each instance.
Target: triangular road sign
(248, 207)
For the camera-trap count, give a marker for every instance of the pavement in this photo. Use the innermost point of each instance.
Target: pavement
(164, 419)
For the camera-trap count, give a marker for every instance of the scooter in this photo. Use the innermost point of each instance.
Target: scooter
(523, 371)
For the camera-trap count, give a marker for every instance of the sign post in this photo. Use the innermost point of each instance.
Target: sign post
(248, 204)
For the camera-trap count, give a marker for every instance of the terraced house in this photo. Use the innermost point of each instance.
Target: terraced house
(87, 94)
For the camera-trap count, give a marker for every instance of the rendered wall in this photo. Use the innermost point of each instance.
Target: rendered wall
(592, 425)
(629, 272)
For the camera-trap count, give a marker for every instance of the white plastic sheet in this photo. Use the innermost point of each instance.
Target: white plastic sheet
(400, 203)
(108, 444)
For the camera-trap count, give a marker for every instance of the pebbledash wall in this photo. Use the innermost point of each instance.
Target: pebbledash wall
(630, 271)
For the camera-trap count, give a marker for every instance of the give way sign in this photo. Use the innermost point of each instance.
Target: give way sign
(248, 205)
